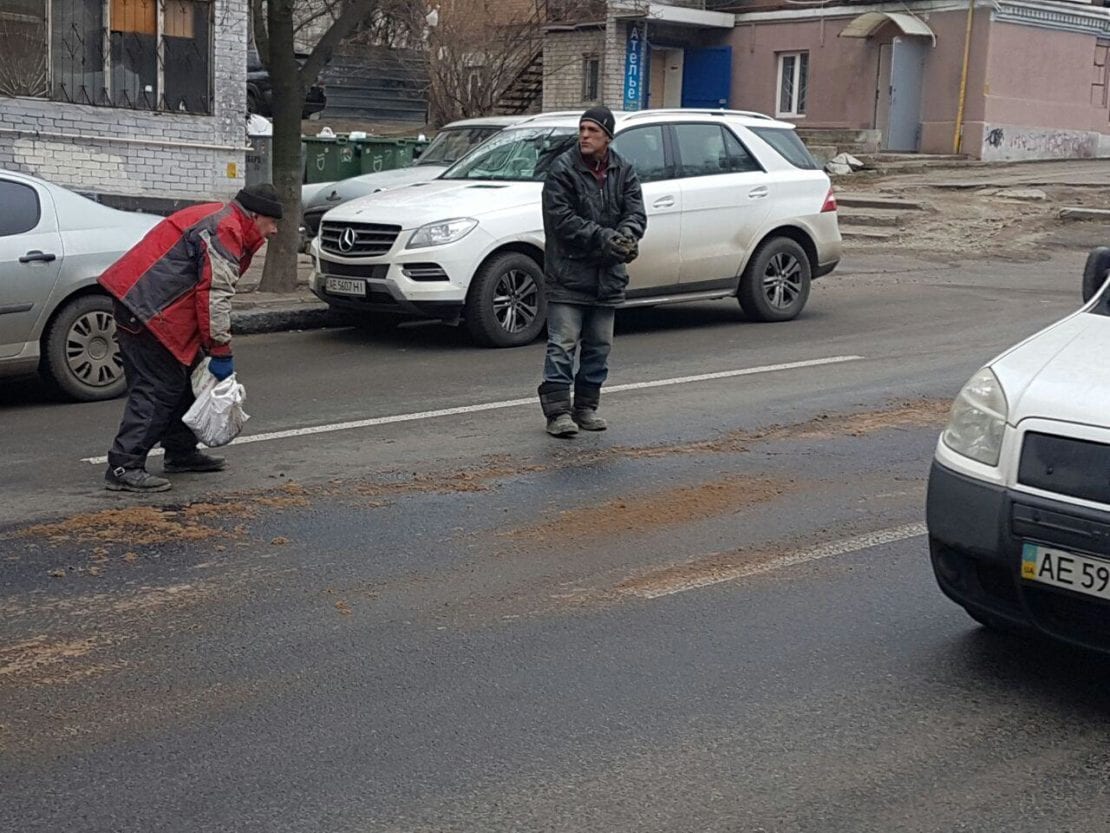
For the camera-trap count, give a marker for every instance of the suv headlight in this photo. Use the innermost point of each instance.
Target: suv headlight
(978, 419)
(441, 233)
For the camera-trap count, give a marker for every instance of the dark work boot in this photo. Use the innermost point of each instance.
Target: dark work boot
(194, 461)
(586, 400)
(556, 404)
(120, 479)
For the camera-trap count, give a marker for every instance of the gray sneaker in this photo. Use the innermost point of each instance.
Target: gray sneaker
(561, 426)
(120, 479)
(588, 420)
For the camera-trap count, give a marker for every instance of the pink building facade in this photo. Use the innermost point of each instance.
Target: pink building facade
(1036, 75)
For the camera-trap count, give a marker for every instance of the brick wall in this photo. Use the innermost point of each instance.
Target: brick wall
(163, 157)
(563, 54)
(562, 60)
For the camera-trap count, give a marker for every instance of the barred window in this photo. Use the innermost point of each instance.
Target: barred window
(23, 48)
(136, 54)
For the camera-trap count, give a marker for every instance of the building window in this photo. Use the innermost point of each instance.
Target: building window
(136, 54)
(23, 48)
(793, 83)
(591, 77)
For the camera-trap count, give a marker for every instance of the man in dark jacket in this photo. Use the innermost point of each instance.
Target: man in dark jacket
(593, 218)
(173, 295)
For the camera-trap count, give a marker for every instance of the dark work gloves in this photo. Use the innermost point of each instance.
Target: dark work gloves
(629, 246)
(619, 247)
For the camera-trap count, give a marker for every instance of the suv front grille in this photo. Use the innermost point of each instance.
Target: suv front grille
(358, 239)
(1066, 466)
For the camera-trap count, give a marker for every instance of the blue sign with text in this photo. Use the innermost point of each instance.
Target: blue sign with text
(634, 66)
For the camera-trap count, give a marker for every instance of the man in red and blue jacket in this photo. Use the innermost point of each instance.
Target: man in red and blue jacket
(173, 295)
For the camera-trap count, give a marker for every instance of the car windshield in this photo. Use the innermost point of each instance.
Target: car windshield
(520, 155)
(452, 144)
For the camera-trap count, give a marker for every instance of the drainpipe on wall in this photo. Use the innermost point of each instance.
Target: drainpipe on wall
(958, 138)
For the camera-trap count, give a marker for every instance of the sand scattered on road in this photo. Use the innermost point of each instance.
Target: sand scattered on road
(648, 511)
(144, 526)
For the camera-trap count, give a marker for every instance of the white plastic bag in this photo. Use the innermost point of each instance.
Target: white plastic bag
(217, 416)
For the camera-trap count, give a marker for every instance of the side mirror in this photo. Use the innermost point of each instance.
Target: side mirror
(1095, 271)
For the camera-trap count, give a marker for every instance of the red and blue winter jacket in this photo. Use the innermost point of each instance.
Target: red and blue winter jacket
(180, 278)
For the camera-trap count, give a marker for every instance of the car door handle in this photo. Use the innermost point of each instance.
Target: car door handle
(758, 193)
(37, 256)
(663, 202)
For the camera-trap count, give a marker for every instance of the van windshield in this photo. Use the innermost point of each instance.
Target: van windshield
(517, 155)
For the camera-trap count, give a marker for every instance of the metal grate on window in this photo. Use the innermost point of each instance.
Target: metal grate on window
(23, 50)
(141, 55)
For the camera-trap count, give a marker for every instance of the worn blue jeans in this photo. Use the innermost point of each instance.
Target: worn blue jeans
(573, 326)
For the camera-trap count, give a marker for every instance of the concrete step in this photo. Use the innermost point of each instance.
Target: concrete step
(856, 218)
(1079, 213)
(850, 200)
(868, 234)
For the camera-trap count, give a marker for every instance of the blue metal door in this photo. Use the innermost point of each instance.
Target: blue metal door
(707, 77)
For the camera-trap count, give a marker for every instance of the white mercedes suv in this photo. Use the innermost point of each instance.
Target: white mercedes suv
(736, 207)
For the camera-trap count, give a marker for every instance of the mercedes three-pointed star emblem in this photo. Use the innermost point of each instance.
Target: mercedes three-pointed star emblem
(347, 239)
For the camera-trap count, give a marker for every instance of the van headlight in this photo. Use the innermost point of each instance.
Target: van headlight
(978, 419)
(441, 233)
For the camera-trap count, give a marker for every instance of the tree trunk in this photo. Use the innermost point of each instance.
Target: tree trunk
(274, 25)
(280, 272)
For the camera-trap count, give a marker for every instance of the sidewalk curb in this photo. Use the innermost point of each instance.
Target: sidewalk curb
(281, 319)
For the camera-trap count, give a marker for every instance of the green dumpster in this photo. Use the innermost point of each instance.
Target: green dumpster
(330, 158)
(382, 155)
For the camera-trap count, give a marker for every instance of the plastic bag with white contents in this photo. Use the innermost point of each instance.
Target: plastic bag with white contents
(217, 416)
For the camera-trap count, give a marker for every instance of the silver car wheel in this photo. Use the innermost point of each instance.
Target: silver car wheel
(516, 301)
(92, 354)
(782, 282)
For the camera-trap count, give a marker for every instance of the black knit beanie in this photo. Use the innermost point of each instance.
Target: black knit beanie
(261, 199)
(602, 117)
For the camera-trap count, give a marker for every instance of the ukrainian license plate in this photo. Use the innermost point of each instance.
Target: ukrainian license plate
(344, 286)
(1066, 569)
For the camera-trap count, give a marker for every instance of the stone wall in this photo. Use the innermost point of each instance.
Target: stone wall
(143, 157)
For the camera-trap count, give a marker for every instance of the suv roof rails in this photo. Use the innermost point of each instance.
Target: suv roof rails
(710, 111)
(554, 114)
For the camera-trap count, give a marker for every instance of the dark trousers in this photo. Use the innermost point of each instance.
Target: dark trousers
(159, 393)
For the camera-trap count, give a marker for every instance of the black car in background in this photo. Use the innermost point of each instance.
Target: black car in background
(260, 95)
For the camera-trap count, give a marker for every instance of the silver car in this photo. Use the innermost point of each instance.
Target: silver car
(54, 318)
(450, 144)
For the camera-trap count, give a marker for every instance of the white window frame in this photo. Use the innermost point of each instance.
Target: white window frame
(796, 78)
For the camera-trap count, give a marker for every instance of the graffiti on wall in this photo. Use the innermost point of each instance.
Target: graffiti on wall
(1001, 144)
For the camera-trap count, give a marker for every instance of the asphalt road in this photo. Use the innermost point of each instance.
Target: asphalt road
(717, 616)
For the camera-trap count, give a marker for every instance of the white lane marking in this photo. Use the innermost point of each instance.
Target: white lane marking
(845, 547)
(511, 403)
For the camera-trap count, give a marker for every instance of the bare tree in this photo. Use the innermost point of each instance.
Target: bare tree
(479, 50)
(276, 24)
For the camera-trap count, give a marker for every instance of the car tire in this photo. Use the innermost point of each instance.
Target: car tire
(505, 306)
(81, 356)
(1095, 271)
(775, 284)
